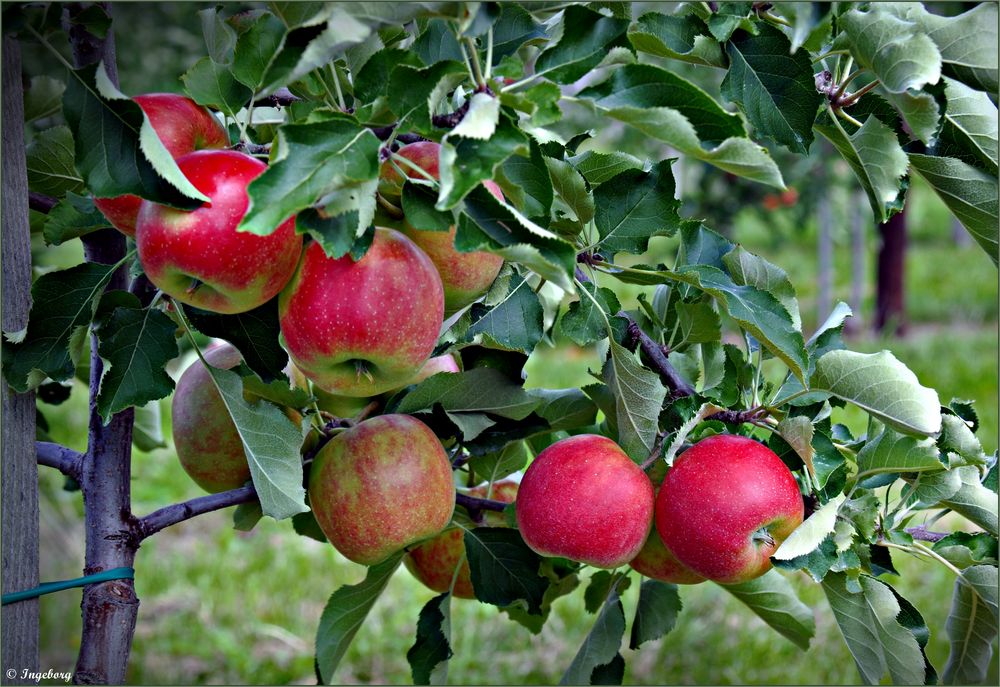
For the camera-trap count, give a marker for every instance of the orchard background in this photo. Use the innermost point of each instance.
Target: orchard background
(225, 604)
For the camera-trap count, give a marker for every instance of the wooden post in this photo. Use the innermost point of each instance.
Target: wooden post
(20, 470)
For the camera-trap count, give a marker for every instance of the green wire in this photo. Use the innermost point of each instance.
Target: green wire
(49, 587)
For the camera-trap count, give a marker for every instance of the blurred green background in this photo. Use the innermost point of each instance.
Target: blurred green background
(221, 606)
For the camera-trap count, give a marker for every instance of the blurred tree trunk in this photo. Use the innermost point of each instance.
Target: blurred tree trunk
(824, 299)
(20, 471)
(859, 260)
(890, 272)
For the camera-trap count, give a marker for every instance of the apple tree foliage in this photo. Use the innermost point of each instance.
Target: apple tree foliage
(324, 91)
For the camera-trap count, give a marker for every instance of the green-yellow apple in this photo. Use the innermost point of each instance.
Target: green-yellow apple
(183, 126)
(725, 506)
(465, 276)
(359, 328)
(381, 486)
(434, 562)
(339, 406)
(198, 257)
(206, 440)
(582, 498)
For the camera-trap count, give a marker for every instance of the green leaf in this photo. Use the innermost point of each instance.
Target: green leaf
(570, 187)
(969, 193)
(585, 39)
(601, 645)
(897, 51)
(256, 49)
(891, 451)
(597, 168)
(676, 37)
(50, 163)
(811, 533)
(213, 85)
(656, 613)
(298, 14)
(969, 131)
(418, 207)
(471, 425)
(598, 589)
(958, 439)
(147, 430)
(972, 626)
(481, 389)
(72, 217)
(465, 162)
(62, 305)
(499, 464)
(876, 639)
(564, 409)
(635, 206)
(372, 80)
(514, 28)
(773, 599)
(699, 322)
(728, 17)
(43, 98)
(974, 501)
(254, 333)
(414, 94)
(487, 224)
(875, 156)
(752, 270)
(246, 516)
(314, 161)
(882, 386)
(136, 343)
(586, 321)
(515, 323)
(503, 569)
(964, 550)
(678, 113)
(531, 177)
(305, 525)
(271, 442)
(336, 235)
(345, 612)
(220, 36)
(639, 396)
(437, 42)
(137, 162)
(775, 89)
(540, 103)
(428, 657)
(968, 43)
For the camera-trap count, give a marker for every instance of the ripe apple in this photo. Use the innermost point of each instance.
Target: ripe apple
(439, 363)
(657, 562)
(582, 498)
(184, 126)
(725, 506)
(198, 257)
(361, 328)
(434, 561)
(381, 486)
(465, 276)
(206, 440)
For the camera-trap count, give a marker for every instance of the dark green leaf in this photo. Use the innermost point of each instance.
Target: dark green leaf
(570, 187)
(220, 36)
(586, 39)
(635, 206)
(530, 176)
(974, 501)
(414, 94)
(504, 570)
(514, 323)
(727, 18)
(677, 37)
(72, 217)
(656, 613)
(480, 389)
(213, 85)
(964, 549)
(43, 98)
(499, 464)
(418, 207)
(601, 645)
(773, 599)
(254, 333)
(246, 516)
(372, 80)
(437, 42)
(598, 589)
(50, 163)
(514, 28)
(610, 673)
(586, 321)
(638, 397)
(969, 130)
(466, 162)
(345, 612)
(564, 409)
(597, 168)
(429, 655)
(305, 525)
(256, 49)
(972, 626)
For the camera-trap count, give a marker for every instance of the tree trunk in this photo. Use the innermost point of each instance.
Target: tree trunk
(859, 260)
(890, 292)
(824, 300)
(20, 471)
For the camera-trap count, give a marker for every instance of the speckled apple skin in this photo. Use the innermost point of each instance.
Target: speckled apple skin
(465, 276)
(715, 496)
(384, 310)
(183, 126)
(205, 438)
(381, 486)
(657, 562)
(434, 561)
(439, 363)
(239, 270)
(583, 499)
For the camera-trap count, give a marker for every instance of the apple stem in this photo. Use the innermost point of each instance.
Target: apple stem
(394, 212)
(763, 536)
(194, 286)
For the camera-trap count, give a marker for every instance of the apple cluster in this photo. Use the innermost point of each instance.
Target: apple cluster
(358, 329)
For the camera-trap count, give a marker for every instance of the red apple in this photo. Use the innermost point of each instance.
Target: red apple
(434, 562)
(184, 126)
(381, 486)
(465, 276)
(656, 561)
(725, 506)
(582, 498)
(439, 363)
(198, 257)
(361, 328)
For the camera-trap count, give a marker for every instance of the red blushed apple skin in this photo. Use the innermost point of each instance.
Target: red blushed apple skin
(184, 126)
(714, 498)
(384, 310)
(583, 499)
(239, 270)
(205, 438)
(434, 561)
(381, 486)
(657, 562)
(465, 276)
(440, 363)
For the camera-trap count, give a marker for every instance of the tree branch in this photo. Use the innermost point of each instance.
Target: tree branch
(658, 358)
(475, 504)
(39, 202)
(65, 460)
(179, 512)
(922, 533)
